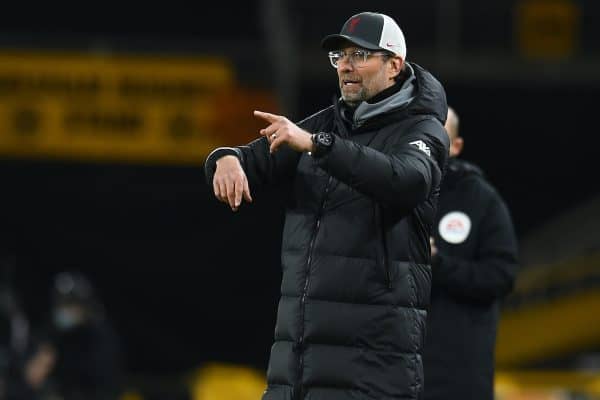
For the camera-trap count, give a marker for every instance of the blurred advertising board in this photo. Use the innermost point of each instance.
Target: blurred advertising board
(123, 108)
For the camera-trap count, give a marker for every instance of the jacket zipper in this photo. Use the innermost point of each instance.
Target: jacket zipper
(382, 236)
(298, 392)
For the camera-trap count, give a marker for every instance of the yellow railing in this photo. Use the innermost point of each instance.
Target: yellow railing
(550, 329)
(558, 315)
(547, 385)
(235, 382)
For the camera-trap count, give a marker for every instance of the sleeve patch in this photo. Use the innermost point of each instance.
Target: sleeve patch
(421, 146)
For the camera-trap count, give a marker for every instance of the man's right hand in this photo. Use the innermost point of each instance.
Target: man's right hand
(230, 183)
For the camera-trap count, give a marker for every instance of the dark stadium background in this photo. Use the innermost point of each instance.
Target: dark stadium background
(187, 281)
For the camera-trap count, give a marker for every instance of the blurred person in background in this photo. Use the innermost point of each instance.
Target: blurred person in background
(28, 378)
(363, 174)
(89, 360)
(474, 264)
(14, 326)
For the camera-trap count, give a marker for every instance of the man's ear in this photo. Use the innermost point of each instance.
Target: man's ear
(396, 64)
(456, 146)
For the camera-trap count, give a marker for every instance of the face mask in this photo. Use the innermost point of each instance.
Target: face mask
(65, 319)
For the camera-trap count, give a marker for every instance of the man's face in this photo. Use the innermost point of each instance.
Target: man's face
(358, 84)
(69, 315)
(451, 126)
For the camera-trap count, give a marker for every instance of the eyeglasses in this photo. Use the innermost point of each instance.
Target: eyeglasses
(358, 58)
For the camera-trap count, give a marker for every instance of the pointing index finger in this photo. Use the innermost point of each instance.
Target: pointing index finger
(267, 116)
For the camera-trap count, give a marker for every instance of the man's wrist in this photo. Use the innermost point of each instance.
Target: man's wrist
(312, 144)
(322, 143)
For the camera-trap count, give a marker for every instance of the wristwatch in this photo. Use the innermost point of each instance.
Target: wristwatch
(323, 142)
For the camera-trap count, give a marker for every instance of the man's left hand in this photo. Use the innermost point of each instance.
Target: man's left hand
(434, 249)
(281, 130)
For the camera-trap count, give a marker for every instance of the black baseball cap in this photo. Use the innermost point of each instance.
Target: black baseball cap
(370, 30)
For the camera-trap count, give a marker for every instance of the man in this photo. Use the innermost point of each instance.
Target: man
(364, 176)
(89, 355)
(474, 262)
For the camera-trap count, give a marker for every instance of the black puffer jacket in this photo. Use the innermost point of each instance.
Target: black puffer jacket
(355, 251)
(475, 268)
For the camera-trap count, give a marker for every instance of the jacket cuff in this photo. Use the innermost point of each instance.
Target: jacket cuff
(210, 165)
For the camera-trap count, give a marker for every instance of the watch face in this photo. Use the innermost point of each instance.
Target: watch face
(325, 139)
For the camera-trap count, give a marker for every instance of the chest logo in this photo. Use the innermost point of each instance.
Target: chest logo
(454, 227)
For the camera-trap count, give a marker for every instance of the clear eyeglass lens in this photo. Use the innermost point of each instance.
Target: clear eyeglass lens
(334, 57)
(357, 57)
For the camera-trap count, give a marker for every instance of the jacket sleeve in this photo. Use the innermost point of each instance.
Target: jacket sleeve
(261, 167)
(402, 176)
(491, 274)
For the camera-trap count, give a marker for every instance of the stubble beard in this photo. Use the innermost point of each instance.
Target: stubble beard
(354, 99)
